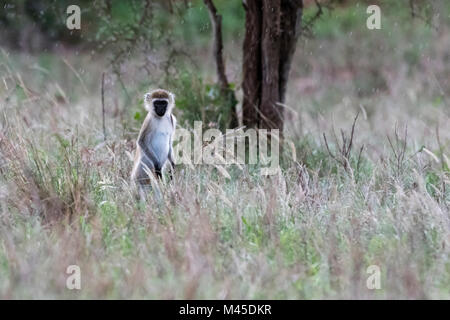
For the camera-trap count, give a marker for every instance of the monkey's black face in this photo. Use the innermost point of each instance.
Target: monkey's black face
(160, 107)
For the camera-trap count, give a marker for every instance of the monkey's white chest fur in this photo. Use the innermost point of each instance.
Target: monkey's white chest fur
(159, 140)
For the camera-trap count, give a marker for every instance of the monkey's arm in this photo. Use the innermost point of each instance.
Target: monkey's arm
(141, 142)
(171, 159)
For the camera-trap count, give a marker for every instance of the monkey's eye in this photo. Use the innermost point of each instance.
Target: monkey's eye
(160, 103)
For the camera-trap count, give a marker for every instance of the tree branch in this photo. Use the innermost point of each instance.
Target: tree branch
(227, 93)
(216, 21)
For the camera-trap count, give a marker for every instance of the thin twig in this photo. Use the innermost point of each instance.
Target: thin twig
(399, 148)
(344, 152)
(103, 106)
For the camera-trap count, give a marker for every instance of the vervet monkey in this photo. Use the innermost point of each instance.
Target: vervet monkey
(154, 143)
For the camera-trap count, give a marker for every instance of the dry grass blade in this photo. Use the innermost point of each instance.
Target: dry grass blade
(343, 156)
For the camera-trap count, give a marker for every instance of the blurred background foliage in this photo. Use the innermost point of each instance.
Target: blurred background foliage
(185, 21)
(111, 21)
(170, 42)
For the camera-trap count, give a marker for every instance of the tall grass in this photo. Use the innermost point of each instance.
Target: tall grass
(309, 232)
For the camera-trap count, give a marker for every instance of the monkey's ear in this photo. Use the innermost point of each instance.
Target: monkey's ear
(147, 101)
(148, 97)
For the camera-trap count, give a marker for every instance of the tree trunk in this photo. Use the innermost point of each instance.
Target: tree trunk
(291, 19)
(272, 29)
(271, 115)
(252, 73)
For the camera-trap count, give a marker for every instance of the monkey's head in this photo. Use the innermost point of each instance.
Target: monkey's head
(159, 101)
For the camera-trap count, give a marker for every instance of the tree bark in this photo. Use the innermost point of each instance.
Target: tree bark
(272, 29)
(252, 73)
(271, 115)
(291, 18)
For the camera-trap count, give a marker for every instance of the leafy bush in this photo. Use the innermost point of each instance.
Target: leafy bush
(199, 101)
